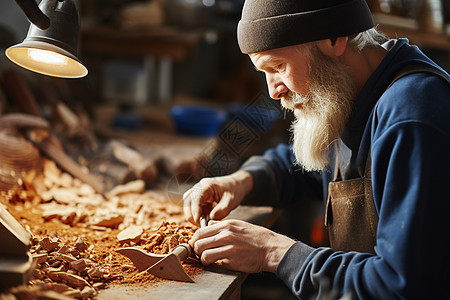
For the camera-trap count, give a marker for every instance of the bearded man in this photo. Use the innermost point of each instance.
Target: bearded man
(371, 131)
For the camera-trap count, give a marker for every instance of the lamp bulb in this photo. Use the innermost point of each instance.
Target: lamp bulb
(48, 57)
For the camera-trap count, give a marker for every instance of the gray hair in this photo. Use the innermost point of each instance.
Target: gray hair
(368, 38)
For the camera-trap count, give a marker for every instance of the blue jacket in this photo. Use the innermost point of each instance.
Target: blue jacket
(409, 140)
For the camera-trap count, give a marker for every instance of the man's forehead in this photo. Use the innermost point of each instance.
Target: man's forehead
(262, 61)
(273, 56)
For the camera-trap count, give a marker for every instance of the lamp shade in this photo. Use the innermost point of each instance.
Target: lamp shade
(52, 51)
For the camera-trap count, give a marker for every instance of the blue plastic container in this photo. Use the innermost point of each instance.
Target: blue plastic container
(197, 120)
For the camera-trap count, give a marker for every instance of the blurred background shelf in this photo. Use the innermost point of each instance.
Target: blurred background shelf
(430, 40)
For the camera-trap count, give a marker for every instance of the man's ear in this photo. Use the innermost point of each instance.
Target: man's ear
(334, 47)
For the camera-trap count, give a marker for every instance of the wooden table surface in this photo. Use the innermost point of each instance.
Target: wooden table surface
(214, 282)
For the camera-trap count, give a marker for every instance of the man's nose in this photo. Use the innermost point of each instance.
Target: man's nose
(276, 88)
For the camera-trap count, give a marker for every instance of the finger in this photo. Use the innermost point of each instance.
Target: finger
(196, 212)
(211, 237)
(198, 234)
(212, 255)
(191, 204)
(188, 214)
(194, 200)
(187, 207)
(201, 201)
(221, 210)
(203, 233)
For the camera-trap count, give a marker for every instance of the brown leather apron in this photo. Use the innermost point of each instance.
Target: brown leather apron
(350, 215)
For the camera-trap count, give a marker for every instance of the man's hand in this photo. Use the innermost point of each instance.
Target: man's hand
(216, 197)
(240, 246)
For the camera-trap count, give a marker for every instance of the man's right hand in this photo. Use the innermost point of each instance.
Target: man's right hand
(216, 197)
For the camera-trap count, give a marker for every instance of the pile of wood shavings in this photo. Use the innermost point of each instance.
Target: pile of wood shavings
(162, 240)
(167, 237)
(57, 209)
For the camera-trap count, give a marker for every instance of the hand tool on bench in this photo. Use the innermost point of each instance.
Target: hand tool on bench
(162, 265)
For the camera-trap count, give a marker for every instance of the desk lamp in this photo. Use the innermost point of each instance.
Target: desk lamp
(50, 47)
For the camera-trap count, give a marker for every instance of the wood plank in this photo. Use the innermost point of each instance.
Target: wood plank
(211, 283)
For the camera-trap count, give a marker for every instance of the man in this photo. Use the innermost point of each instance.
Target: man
(383, 148)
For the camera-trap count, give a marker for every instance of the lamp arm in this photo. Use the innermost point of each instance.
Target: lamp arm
(34, 13)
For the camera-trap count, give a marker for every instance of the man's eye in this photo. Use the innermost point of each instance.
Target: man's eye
(278, 68)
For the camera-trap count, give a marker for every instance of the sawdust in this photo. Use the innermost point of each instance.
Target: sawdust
(163, 223)
(163, 240)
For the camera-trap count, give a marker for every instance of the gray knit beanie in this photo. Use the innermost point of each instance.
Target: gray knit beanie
(270, 24)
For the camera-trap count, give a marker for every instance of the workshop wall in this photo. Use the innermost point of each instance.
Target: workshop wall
(13, 23)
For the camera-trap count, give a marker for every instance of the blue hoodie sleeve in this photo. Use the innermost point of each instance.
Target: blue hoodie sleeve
(279, 181)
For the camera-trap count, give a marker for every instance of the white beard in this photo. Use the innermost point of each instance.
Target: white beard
(325, 110)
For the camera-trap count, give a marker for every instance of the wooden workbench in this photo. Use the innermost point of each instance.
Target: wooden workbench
(214, 282)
